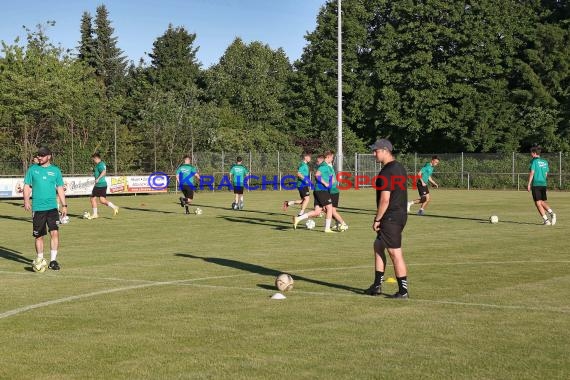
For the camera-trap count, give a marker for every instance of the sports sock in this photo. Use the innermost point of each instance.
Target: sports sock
(402, 284)
(94, 211)
(303, 217)
(290, 203)
(550, 211)
(53, 254)
(40, 255)
(110, 204)
(544, 217)
(328, 224)
(301, 212)
(378, 278)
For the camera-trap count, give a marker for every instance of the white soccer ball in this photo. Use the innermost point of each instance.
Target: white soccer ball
(198, 211)
(310, 224)
(284, 282)
(494, 219)
(64, 219)
(39, 265)
(86, 215)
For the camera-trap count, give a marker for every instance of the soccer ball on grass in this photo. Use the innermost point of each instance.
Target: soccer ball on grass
(310, 224)
(198, 211)
(284, 282)
(39, 265)
(494, 219)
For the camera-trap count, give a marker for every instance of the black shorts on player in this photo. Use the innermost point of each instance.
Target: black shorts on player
(422, 190)
(188, 191)
(304, 192)
(538, 193)
(322, 198)
(42, 218)
(99, 191)
(335, 198)
(238, 190)
(390, 234)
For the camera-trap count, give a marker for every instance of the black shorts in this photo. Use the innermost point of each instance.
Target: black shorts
(538, 193)
(238, 189)
(322, 198)
(42, 218)
(188, 191)
(304, 192)
(391, 234)
(99, 191)
(422, 190)
(335, 198)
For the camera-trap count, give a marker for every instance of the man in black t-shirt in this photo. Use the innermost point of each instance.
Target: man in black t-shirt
(390, 220)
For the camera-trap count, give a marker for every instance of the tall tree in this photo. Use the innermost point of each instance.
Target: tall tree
(86, 46)
(110, 62)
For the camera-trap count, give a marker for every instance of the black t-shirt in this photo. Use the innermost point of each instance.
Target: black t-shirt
(393, 178)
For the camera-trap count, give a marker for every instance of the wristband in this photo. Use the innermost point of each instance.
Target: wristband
(63, 205)
(377, 221)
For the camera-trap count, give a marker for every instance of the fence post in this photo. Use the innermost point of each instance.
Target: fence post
(560, 170)
(518, 182)
(468, 182)
(355, 164)
(462, 167)
(222, 162)
(513, 167)
(415, 162)
(278, 171)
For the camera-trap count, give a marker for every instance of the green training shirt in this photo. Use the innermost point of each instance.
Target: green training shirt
(97, 170)
(44, 181)
(327, 174)
(540, 167)
(238, 173)
(304, 170)
(427, 171)
(186, 171)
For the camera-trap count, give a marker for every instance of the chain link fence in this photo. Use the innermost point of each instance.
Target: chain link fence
(456, 170)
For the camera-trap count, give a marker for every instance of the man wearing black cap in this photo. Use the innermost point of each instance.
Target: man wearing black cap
(47, 183)
(390, 219)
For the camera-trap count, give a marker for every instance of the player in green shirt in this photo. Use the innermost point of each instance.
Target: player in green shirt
(100, 188)
(47, 183)
(335, 196)
(424, 178)
(537, 186)
(238, 172)
(302, 185)
(185, 175)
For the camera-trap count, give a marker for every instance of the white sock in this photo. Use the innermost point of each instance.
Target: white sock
(301, 212)
(328, 224)
(95, 211)
(40, 255)
(549, 211)
(544, 217)
(110, 204)
(290, 203)
(53, 254)
(303, 217)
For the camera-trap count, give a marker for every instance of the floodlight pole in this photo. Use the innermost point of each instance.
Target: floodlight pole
(339, 155)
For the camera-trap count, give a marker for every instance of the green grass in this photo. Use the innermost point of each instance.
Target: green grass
(156, 294)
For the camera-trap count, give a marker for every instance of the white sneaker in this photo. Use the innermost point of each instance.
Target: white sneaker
(553, 218)
(410, 203)
(547, 223)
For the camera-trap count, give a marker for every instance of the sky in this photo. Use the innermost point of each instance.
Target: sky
(137, 23)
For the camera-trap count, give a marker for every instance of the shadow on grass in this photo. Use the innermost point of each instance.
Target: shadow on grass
(150, 210)
(276, 224)
(27, 219)
(10, 254)
(258, 269)
(480, 220)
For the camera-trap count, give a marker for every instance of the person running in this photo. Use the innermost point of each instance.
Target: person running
(47, 183)
(390, 219)
(424, 178)
(335, 196)
(324, 178)
(238, 172)
(537, 185)
(100, 188)
(185, 175)
(302, 185)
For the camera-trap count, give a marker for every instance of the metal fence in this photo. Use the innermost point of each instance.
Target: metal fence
(456, 170)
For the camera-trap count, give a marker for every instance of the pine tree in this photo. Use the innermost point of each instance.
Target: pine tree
(87, 43)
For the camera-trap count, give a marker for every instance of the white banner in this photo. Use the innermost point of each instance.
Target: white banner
(14, 187)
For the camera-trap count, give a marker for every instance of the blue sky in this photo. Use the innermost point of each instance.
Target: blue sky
(279, 23)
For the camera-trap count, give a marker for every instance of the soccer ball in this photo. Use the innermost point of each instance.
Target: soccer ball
(64, 219)
(198, 211)
(39, 265)
(284, 282)
(310, 224)
(86, 215)
(234, 206)
(494, 219)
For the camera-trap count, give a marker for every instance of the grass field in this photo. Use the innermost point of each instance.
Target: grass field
(156, 294)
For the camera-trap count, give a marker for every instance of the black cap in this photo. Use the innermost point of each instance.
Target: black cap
(43, 151)
(382, 144)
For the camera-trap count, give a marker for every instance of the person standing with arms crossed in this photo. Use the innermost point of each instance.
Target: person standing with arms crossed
(47, 183)
(390, 219)
(100, 188)
(537, 186)
(238, 172)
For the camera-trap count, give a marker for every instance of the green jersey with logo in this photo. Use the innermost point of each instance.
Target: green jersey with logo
(540, 167)
(427, 171)
(304, 170)
(238, 173)
(97, 170)
(185, 173)
(44, 182)
(326, 174)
